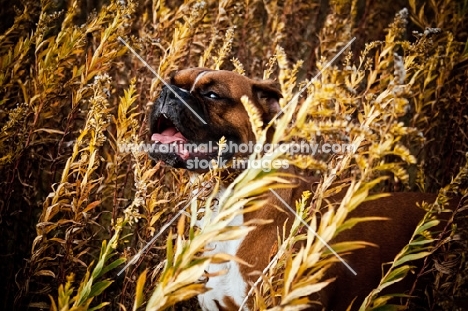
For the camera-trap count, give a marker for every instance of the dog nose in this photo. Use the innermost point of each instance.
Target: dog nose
(168, 93)
(171, 95)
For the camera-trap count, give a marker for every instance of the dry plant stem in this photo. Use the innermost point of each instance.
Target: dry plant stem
(399, 97)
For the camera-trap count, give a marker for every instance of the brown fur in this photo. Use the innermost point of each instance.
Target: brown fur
(230, 113)
(390, 236)
(227, 116)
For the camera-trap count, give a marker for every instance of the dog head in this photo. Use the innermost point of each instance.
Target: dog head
(199, 106)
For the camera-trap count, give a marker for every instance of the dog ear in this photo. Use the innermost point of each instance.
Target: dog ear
(268, 94)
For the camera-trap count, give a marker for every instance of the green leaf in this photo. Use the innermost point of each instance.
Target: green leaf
(427, 225)
(111, 266)
(99, 306)
(394, 276)
(421, 242)
(411, 257)
(99, 287)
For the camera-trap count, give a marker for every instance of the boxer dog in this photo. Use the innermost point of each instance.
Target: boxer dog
(199, 107)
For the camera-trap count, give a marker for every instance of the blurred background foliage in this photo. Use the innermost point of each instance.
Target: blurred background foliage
(71, 93)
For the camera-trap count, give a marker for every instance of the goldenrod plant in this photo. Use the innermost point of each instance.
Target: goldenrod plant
(89, 288)
(75, 172)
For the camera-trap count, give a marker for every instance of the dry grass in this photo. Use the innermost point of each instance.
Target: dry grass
(72, 94)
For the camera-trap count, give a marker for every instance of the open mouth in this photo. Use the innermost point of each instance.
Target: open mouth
(165, 133)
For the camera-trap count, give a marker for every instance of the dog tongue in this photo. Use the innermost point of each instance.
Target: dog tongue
(168, 136)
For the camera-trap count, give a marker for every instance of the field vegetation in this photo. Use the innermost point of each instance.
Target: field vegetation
(75, 208)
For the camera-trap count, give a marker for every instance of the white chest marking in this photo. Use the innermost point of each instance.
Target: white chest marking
(230, 284)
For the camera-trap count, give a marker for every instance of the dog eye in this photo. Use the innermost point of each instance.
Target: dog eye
(211, 95)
